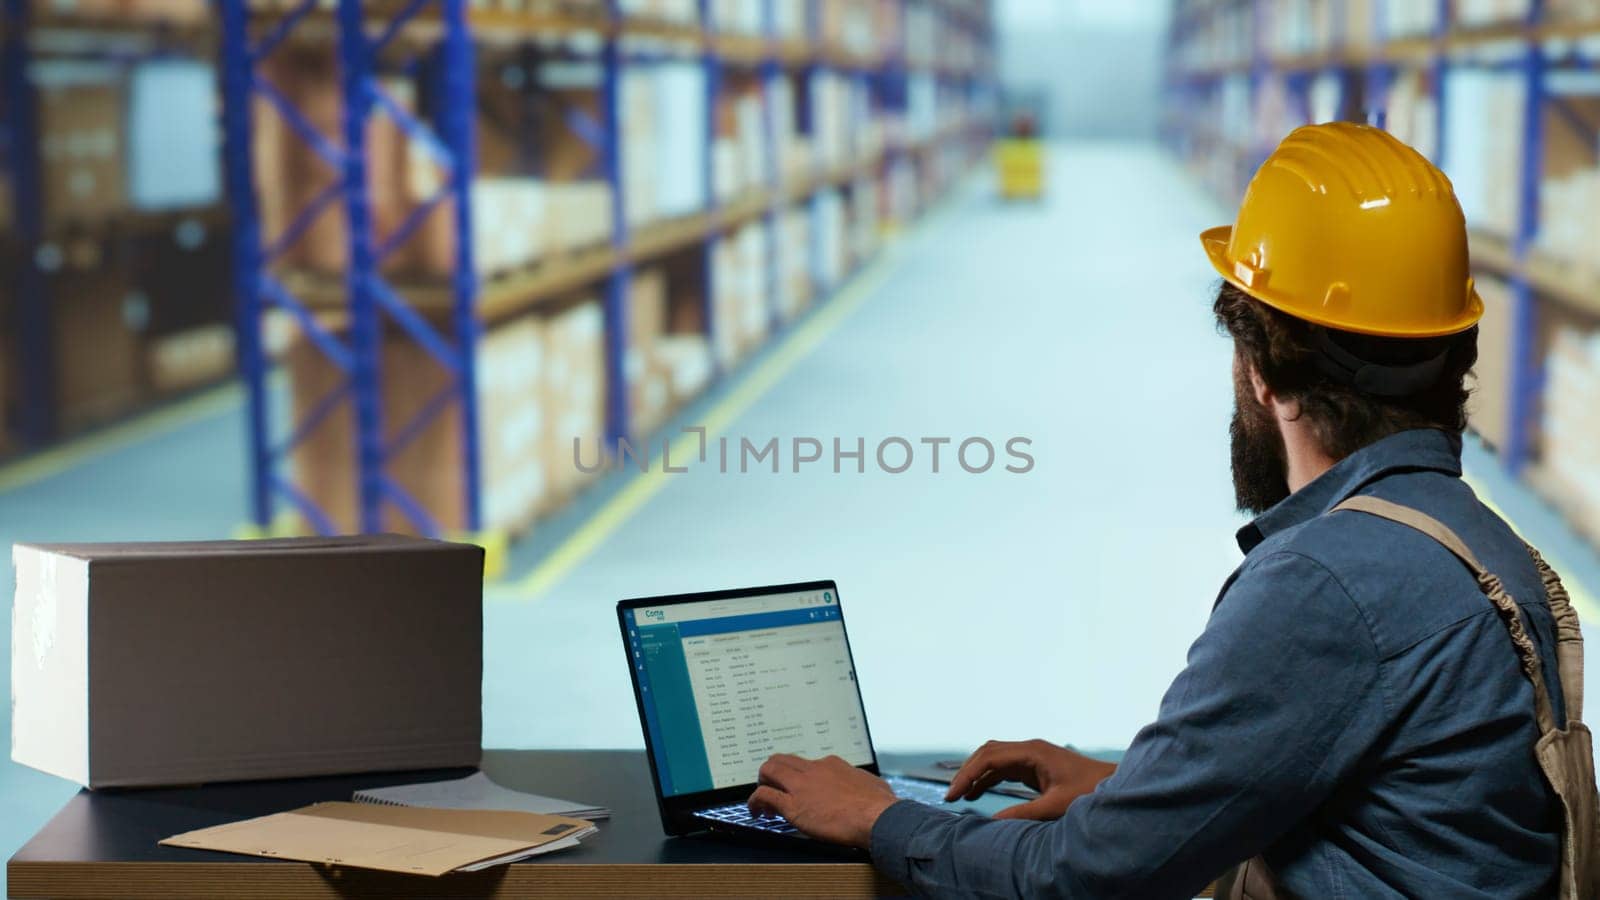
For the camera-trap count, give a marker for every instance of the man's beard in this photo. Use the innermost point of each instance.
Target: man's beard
(1260, 462)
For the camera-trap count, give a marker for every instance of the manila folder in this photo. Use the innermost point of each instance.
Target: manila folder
(412, 840)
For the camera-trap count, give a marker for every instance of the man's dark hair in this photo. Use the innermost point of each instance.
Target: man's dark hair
(1285, 351)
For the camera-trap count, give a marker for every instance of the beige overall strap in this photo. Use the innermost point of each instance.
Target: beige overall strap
(1487, 582)
(1569, 637)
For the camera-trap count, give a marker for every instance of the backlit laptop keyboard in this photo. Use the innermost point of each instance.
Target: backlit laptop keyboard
(739, 814)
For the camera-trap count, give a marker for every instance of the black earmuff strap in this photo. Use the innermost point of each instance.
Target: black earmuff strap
(1374, 378)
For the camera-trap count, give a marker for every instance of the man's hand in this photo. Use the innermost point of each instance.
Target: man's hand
(828, 799)
(1058, 774)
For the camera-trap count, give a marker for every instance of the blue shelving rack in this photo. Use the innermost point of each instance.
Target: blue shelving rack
(30, 35)
(372, 309)
(1449, 48)
(711, 59)
(31, 319)
(616, 294)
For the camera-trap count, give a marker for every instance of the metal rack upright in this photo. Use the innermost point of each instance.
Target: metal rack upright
(374, 305)
(19, 136)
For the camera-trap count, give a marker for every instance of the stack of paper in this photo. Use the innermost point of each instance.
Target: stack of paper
(476, 791)
(392, 838)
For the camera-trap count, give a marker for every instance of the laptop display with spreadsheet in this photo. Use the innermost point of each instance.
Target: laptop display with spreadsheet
(724, 680)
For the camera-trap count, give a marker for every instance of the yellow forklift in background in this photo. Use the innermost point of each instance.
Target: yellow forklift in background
(1019, 160)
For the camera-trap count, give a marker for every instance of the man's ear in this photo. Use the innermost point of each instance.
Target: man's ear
(1288, 410)
(1264, 394)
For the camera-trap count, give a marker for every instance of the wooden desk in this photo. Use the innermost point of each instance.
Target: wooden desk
(103, 844)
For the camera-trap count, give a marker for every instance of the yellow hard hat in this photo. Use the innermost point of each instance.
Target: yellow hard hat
(1347, 227)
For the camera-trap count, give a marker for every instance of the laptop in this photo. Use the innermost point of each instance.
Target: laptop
(725, 679)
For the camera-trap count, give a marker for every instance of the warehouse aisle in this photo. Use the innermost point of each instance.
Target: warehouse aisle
(1072, 591)
(1082, 324)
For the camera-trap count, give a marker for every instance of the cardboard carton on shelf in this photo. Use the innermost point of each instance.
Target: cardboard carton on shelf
(739, 272)
(1568, 470)
(675, 370)
(680, 150)
(649, 391)
(738, 154)
(641, 126)
(742, 16)
(290, 175)
(517, 221)
(512, 417)
(513, 420)
(190, 663)
(1570, 188)
(98, 346)
(795, 287)
(687, 363)
(647, 308)
(189, 359)
(831, 253)
(650, 400)
(92, 10)
(1489, 407)
(865, 203)
(580, 215)
(81, 129)
(510, 217)
(574, 390)
(166, 12)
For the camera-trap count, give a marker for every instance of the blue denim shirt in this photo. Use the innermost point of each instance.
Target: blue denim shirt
(1353, 710)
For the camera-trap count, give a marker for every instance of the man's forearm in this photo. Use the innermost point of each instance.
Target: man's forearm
(941, 854)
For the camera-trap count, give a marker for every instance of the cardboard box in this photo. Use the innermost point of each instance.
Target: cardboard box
(647, 308)
(794, 255)
(187, 663)
(1488, 410)
(175, 12)
(190, 359)
(513, 418)
(686, 360)
(579, 215)
(740, 265)
(86, 9)
(98, 346)
(290, 175)
(1569, 470)
(649, 396)
(81, 126)
(575, 394)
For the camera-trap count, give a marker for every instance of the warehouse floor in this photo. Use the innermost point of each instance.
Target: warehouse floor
(981, 606)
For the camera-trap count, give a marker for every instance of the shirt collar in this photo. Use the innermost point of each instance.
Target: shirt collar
(1422, 449)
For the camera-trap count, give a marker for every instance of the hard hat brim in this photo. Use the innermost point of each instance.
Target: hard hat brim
(1216, 240)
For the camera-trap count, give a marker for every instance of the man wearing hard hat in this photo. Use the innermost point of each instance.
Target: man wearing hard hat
(1386, 700)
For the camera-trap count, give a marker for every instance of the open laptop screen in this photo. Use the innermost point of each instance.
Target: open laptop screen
(726, 683)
